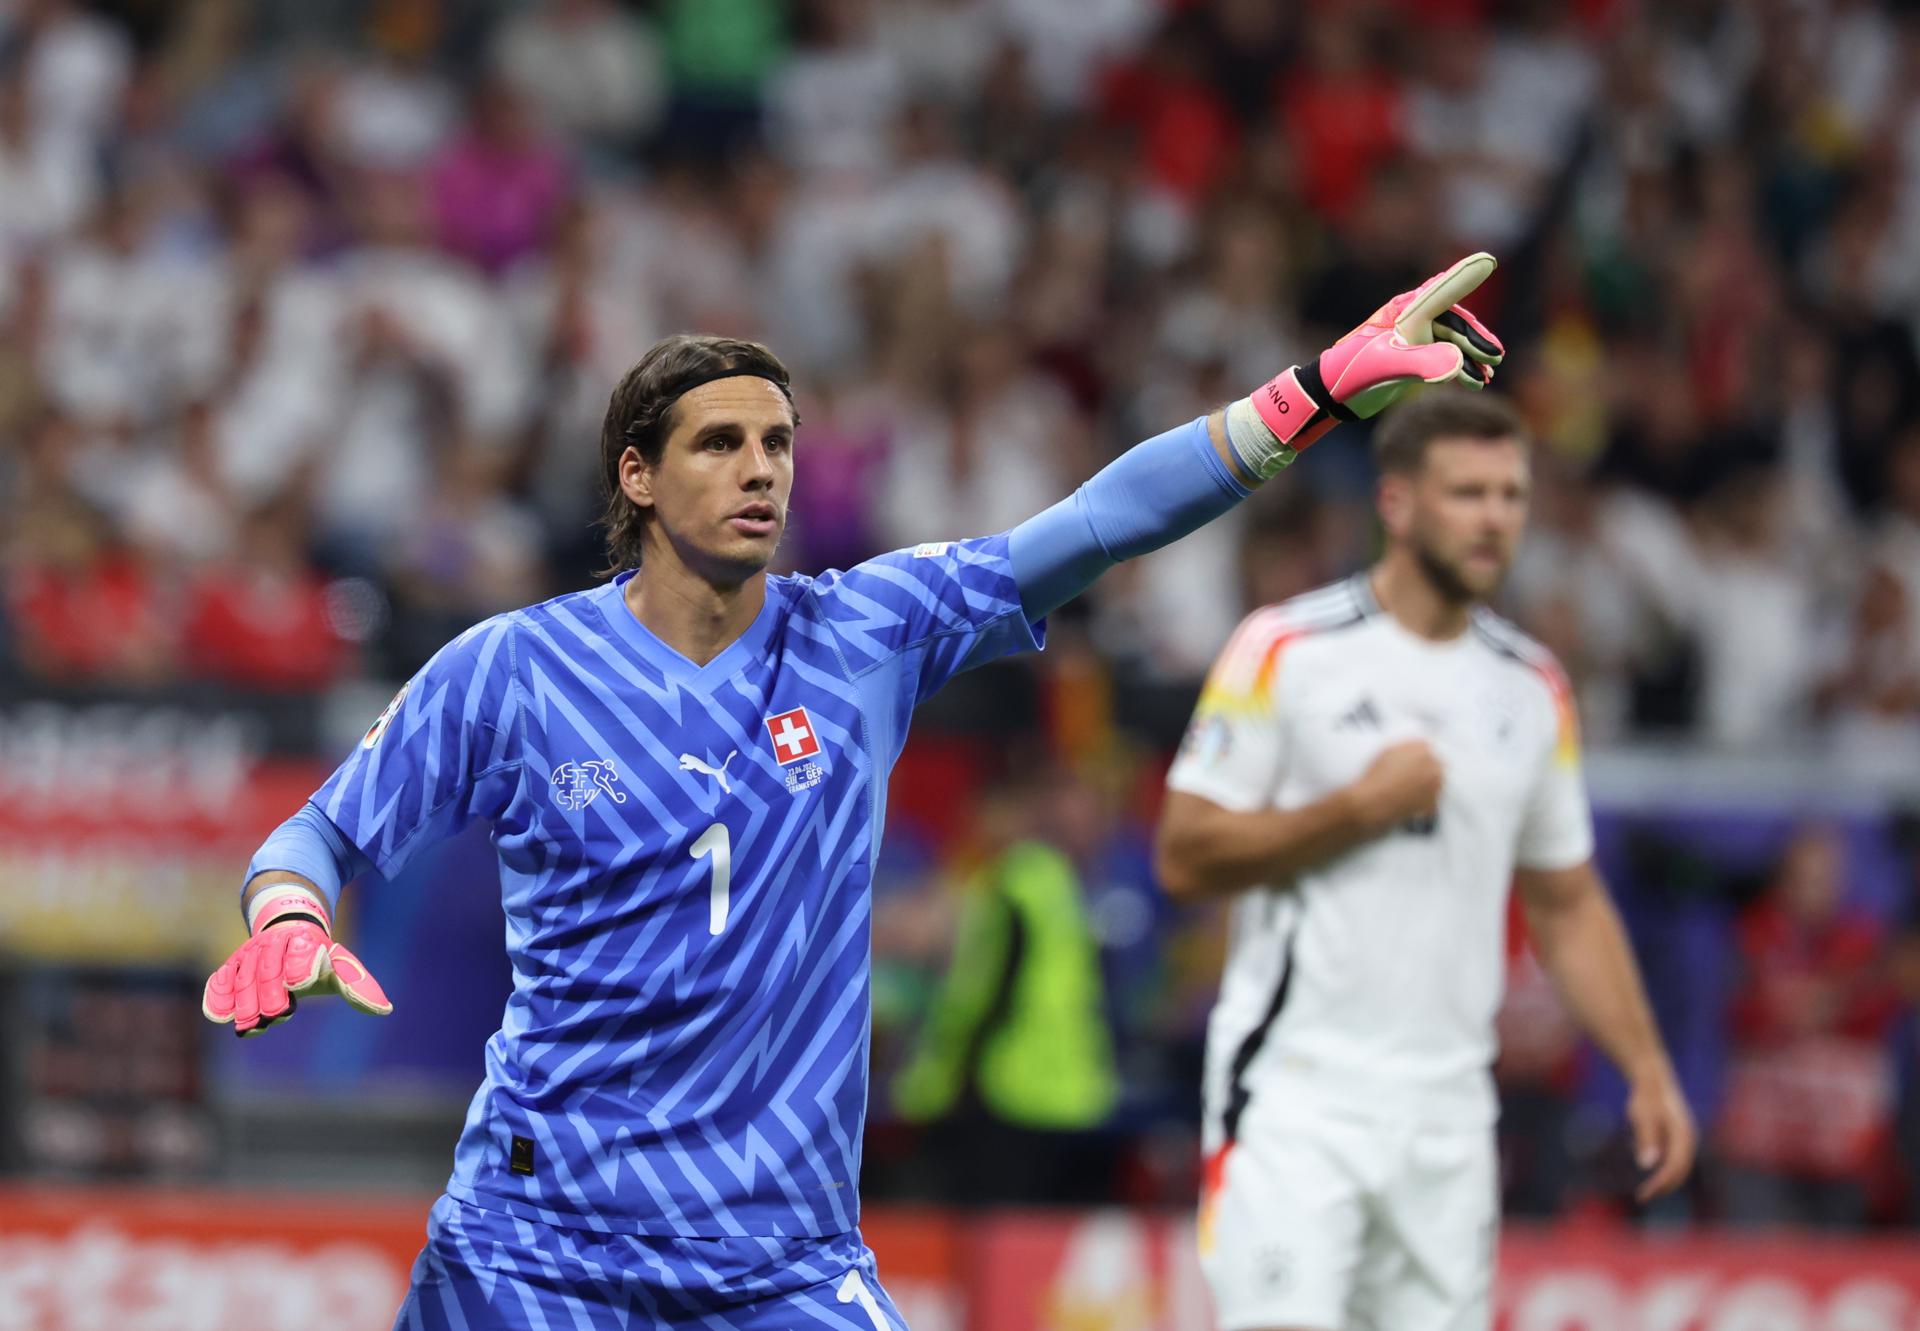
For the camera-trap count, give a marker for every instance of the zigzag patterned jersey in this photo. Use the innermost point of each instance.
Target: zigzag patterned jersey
(686, 856)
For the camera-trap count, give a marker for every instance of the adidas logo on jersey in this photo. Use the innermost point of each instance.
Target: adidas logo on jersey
(1362, 716)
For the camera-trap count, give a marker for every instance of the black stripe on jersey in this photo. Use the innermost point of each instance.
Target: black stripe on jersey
(1508, 641)
(1487, 635)
(1348, 617)
(1333, 606)
(1361, 586)
(1237, 1093)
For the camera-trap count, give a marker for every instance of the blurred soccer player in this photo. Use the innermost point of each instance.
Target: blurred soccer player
(1369, 768)
(685, 771)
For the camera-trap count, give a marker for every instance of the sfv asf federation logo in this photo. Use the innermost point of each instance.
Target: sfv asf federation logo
(576, 785)
(795, 746)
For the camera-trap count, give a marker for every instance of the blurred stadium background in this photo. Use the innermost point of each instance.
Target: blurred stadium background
(308, 313)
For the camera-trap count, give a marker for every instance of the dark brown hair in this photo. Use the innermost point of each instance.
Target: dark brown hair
(640, 416)
(1400, 444)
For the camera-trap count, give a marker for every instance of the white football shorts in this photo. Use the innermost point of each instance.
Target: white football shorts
(1324, 1223)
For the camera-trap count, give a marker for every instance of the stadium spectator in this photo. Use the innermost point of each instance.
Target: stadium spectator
(1896, 547)
(76, 64)
(593, 69)
(134, 326)
(720, 54)
(1752, 600)
(997, 435)
(23, 324)
(395, 109)
(498, 190)
(428, 358)
(1497, 117)
(1873, 694)
(177, 504)
(941, 48)
(261, 618)
(296, 149)
(1183, 132)
(1014, 1063)
(1808, 1110)
(86, 609)
(46, 176)
(831, 107)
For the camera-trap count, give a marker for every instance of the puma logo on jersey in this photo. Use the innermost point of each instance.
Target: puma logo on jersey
(689, 763)
(576, 785)
(1362, 716)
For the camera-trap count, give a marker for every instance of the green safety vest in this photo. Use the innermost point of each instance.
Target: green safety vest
(1021, 1014)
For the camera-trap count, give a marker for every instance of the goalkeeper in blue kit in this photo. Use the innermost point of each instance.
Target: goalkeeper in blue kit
(685, 770)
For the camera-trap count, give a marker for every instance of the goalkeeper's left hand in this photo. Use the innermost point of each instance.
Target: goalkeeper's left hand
(291, 953)
(1420, 336)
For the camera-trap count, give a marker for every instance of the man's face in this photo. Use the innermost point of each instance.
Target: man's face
(1461, 513)
(718, 496)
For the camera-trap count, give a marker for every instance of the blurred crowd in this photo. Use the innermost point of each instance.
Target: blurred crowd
(308, 312)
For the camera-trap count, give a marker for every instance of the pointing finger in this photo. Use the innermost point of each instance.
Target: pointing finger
(1441, 293)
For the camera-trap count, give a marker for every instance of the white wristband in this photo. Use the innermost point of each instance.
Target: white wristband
(286, 899)
(1258, 448)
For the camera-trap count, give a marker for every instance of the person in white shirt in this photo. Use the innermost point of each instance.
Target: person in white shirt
(1369, 769)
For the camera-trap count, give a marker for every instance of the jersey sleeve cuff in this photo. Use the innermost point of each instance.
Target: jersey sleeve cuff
(1233, 796)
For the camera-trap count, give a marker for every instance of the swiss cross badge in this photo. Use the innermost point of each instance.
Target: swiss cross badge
(793, 736)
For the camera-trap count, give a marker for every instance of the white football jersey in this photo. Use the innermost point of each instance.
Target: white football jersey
(1368, 985)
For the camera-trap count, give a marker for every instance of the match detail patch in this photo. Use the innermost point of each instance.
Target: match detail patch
(793, 736)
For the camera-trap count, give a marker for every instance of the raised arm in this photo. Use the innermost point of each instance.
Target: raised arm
(1160, 490)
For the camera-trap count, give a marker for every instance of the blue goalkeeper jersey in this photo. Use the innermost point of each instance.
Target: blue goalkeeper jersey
(686, 858)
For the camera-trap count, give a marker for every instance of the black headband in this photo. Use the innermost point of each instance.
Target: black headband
(708, 378)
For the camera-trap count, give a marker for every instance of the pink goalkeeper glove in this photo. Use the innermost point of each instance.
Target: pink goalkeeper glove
(292, 952)
(1420, 336)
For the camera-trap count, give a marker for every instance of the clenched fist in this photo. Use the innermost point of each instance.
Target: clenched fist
(1402, 785)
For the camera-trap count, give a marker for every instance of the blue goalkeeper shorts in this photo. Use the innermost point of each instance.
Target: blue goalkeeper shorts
(486, 1271)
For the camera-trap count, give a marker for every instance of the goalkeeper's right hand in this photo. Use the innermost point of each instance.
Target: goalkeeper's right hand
(1420, 336)
(291, 953)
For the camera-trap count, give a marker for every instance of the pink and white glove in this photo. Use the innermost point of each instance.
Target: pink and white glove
(1420, 336)
(291, 953)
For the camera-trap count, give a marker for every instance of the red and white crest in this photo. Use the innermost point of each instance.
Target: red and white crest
(793, 736)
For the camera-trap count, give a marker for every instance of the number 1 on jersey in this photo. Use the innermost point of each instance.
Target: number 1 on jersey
(715, 842)
(852, 1288)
